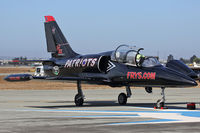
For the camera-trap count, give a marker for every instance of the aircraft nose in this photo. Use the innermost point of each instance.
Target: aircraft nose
(185, 80)
(193, 75)
(174, 78)
(190, 82)
(195, 83)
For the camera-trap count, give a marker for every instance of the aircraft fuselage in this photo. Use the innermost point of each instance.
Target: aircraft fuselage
(98, 69)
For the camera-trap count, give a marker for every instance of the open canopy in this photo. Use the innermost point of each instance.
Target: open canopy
(131, 55)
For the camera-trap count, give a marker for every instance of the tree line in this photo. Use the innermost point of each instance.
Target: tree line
(192, 59)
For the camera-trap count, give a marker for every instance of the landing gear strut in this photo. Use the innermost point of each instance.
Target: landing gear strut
(161, 102)
(79, 98)
(122, 98)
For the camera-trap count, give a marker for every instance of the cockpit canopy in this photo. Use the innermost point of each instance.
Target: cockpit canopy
(150, 62)
(130, 55)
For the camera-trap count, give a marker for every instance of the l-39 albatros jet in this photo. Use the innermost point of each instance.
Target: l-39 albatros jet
(125, 66)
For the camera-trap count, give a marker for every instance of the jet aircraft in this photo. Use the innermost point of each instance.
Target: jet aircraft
(123, 67)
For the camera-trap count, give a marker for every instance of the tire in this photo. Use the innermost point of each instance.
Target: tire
(78, 100)
(122, 99)
(160, 104)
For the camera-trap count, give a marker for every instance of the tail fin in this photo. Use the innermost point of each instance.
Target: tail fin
(56, 42)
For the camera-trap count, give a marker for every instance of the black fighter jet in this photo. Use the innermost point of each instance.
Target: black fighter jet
(125, 66)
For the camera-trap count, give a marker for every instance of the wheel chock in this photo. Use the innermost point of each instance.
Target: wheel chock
(191, 106)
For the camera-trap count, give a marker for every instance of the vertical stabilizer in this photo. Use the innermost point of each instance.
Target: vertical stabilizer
(56, 42)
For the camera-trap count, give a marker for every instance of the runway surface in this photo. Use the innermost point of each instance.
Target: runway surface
(51, 111)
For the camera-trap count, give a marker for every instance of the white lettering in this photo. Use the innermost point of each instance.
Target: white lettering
(67, 62)
(84, 62)
(89, 60)
(93, 62)
(73, 62)
(81, 62)
(70, 63)
(77, 64)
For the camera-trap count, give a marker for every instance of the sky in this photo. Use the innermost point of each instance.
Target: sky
(91, 26)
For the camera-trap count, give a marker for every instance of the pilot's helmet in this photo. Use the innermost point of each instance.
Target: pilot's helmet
(139, 56)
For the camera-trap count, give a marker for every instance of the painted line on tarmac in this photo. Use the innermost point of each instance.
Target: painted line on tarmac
(102, 116)
(137, 107)
(144, 122)
(111, 111)
(161, 116)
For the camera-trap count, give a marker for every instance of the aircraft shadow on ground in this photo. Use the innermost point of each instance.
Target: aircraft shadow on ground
(110, 103)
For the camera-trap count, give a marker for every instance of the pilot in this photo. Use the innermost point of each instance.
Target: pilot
(140, 58)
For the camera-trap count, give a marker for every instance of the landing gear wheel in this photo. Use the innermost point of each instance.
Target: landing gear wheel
(78, 100)
(160, 104)
(122, 99)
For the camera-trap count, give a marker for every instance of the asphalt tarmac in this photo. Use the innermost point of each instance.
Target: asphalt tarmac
(53, 111)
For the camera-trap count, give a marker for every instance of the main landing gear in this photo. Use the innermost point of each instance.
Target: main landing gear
(122, 98)
(79, 98)
(161, 102)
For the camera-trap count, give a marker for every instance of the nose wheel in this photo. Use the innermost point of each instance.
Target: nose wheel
(78, 100)
(161, 102)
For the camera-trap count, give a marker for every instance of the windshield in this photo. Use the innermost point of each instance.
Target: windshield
(150, 62)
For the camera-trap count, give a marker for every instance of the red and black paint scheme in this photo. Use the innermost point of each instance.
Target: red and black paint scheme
(122, 67)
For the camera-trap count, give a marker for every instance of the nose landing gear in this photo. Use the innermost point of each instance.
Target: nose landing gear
(160, 104)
